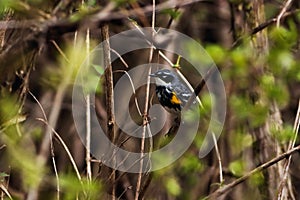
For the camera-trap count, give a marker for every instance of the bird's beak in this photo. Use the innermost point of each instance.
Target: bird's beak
(152, 75)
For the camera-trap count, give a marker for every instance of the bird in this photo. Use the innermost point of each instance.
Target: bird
(171, 92)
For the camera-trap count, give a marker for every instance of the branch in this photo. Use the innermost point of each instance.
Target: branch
(109, 82)
(51, 147)
(199, 87)
(288, 162)
(219, 159)
(260, 168)
(53, 28)
(263, 26)
(145, 115)
(284, 9)
(109, 95)
(88, 118)
(53, 118)
(65, 147)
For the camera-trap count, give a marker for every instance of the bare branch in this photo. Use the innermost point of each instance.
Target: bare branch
(284, 9)
(219, 159)
(264, 25)
(61, 141)
(3, 188)
(109, 96)
(145, 116)
(260, 168)
(283, 182)
(51, 148)
(88, 118)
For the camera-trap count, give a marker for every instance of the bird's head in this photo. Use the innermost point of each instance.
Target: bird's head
(163, 77)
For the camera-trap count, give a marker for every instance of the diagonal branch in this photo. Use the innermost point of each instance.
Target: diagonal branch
(264, 25)
(260, 168)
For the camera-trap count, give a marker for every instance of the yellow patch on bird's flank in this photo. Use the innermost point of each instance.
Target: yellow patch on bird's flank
(174, 99)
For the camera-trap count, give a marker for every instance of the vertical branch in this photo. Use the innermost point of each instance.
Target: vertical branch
(109, 82)
(283, 10)
(282, 193)
(219, 158)
(88, 117)
(145, 116)
(109, 95)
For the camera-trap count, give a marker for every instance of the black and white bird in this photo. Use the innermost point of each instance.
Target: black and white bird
(171, 92)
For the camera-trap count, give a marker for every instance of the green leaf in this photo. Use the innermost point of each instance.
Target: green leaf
(237, 167)
(283, 38)
(3, 175)
(172, 12)
(257, 179)
(173, 186)
(217, 53)
(85, 189)
(190, 164)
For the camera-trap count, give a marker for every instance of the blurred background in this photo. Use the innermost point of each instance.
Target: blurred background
(255, 45)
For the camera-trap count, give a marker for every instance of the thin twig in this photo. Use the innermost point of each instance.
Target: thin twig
(283, 10)
(219, 159)
(172, 65)
(44, 152)
(288, 162)
(262, 26)
(51, 147)
(145, 117)
(133, 90)
(199, 88)
(148, 82)
(165, 58)
(120, 57)
(5, 191)
(117, 149)
(127, 188)
(88, 118)
(61, 141)
(60, 50)
(230, 186)
(296, 127)
(39, 104)
(134, 163)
